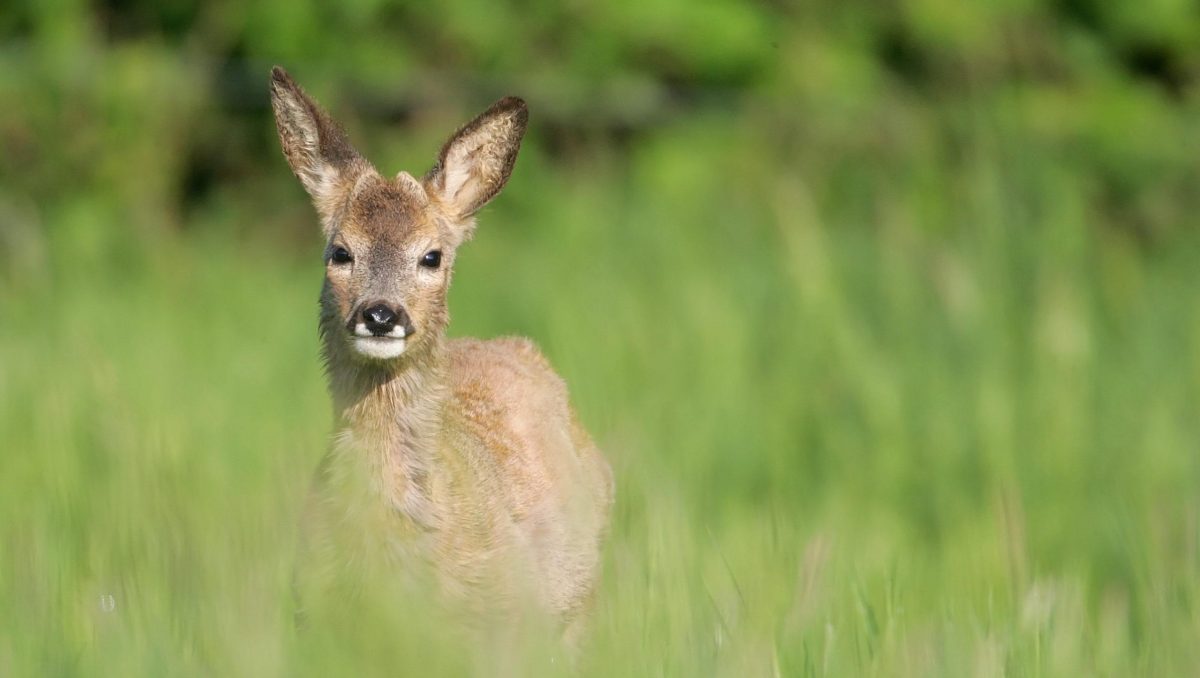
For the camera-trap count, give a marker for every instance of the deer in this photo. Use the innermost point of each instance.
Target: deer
(457, 465)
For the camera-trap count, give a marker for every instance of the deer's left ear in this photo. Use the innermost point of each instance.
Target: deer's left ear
(475, 163)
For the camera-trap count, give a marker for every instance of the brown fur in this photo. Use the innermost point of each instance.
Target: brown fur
(458, 463)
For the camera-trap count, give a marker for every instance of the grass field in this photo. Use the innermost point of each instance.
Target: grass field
(888, 319)
(841, 448)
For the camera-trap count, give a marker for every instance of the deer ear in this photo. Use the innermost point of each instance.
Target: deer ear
(315, 146)
(475, 163)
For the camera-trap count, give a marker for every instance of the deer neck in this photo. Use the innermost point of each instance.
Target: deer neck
(388, 420)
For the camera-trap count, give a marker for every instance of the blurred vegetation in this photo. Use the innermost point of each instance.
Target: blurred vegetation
(886, 314)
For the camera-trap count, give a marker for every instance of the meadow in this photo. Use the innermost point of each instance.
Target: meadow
(897, 365)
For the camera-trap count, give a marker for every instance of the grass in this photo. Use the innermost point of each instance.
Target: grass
(942, 426)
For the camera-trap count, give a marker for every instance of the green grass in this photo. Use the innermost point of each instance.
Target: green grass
(943, 425)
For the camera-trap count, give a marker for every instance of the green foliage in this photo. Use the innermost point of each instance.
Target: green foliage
(885, 314)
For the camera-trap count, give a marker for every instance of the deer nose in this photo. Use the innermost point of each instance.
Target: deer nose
(380, 319)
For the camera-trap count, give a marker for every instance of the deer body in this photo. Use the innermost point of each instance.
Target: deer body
(455, 464)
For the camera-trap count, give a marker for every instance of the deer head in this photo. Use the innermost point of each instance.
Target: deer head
(391, 241)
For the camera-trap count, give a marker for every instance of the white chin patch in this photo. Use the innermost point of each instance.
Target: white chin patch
(379, 348)
(385, 347)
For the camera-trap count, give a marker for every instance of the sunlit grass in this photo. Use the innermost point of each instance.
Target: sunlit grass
(842, 446)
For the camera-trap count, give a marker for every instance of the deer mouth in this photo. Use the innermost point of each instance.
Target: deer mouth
(379, 346)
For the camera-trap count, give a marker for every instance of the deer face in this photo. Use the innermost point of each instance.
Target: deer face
(387, 268)
(390, 243)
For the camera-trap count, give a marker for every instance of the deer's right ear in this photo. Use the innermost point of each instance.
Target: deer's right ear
(315, 146)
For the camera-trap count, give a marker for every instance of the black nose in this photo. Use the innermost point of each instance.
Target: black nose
(379, 319)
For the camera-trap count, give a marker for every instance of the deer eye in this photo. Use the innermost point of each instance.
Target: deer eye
(341, 256)
(432, 259)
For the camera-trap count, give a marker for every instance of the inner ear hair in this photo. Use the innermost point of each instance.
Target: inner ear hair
(475, 163)
(315, 146)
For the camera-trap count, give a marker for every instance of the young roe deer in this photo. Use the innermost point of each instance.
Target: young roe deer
(456, 463)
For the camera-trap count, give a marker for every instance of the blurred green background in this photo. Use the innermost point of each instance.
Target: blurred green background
(887, 315)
